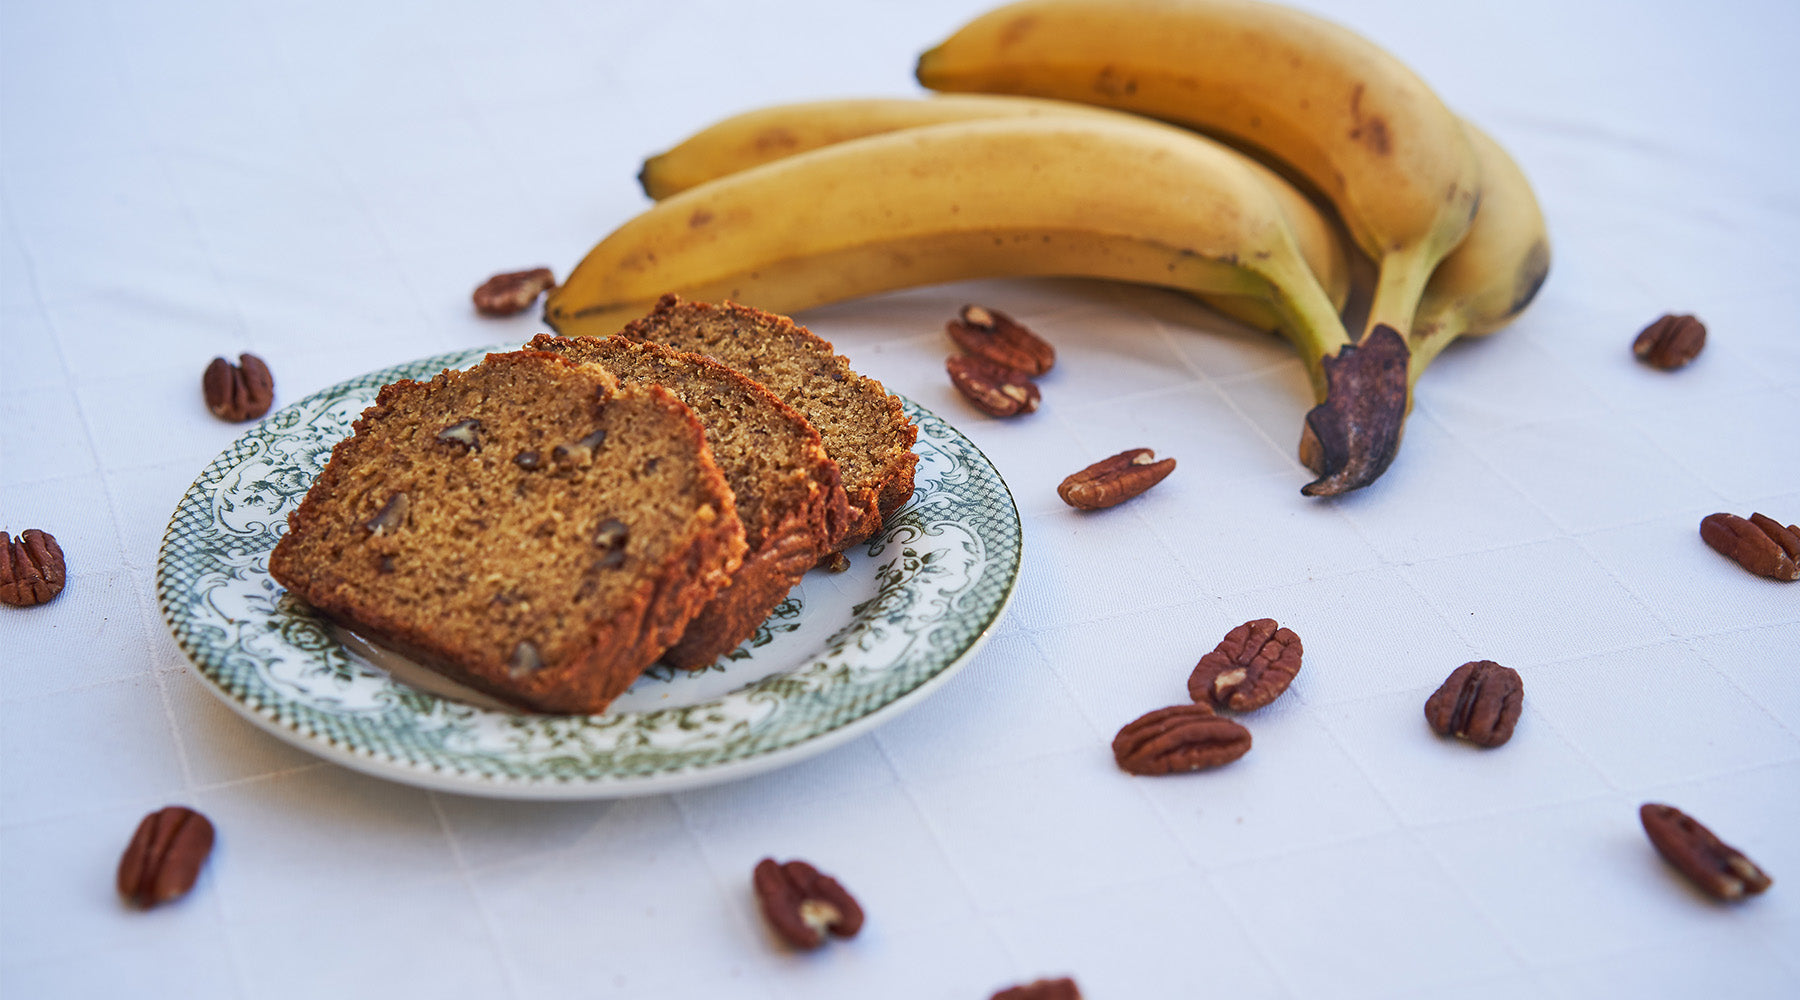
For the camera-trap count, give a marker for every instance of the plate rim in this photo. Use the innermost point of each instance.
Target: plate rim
(602, 785)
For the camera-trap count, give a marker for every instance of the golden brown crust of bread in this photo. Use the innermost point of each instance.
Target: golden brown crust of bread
(504, 576)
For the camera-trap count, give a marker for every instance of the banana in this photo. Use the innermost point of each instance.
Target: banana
(1069, 196)
(1351, 119)
(765, 135)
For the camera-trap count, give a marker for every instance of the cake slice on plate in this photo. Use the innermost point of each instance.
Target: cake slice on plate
(528, 527)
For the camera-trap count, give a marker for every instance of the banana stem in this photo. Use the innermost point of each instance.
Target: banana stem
(1316, 330)
(1398, 288)
(1430, 339)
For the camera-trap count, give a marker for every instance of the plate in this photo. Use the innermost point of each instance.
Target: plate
(842, 654)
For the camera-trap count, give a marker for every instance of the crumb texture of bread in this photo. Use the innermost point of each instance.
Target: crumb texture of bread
(786, 488)
(863, 426)
(527, 527)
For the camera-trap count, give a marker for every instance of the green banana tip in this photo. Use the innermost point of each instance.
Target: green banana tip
(922, 68)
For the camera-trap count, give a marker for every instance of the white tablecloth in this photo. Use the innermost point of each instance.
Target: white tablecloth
(323, 182)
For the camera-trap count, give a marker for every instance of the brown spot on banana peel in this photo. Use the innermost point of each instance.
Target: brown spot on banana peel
(1110, 83)
(775, 138)
(1016, 31)
(1371, 131)
(1355, 432)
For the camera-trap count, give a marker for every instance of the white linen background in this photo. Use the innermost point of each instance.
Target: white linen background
(322, 183)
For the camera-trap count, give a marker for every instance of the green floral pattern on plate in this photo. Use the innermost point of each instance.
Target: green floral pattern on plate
(944, 567)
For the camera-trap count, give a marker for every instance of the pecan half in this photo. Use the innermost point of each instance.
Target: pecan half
(1250, 668)
(239, 392)
(514, 292)
(997, 337)
(164, 856)
(31, 568)
(1718, 869)
(1761, 544)
(1043, 989)
(802, 904)
(1179, 738)
(391, 517)
(1670, 342)
(525, 660)
(610, 538)
(466, 433)
(995, 389)
(581, 452)
(1480, 702)
(1114, 480)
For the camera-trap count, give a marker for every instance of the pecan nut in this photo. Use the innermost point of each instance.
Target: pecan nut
(165, 856)
(610, 538)
(466, 433)
(1760, 544)
(512, 293)
(1670, 342)
(31, 568)
(802, 904)
(525, 660)
(1250, 668)
(391, 517)
(1112, 481)
(238, 392)
(1718, 869)
(995, 389)
(1179, 738)
(997, 337)
(1480, 702)
(581, 452)
(1043, 989)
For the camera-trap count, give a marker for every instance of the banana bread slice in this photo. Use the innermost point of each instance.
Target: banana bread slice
(863, 427)
(527, 527)
(787, 490)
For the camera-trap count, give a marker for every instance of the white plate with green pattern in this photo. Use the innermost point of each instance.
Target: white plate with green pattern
(844, 653)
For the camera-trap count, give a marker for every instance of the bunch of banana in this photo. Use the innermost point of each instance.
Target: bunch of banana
(796, 205)
(1489, 279)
